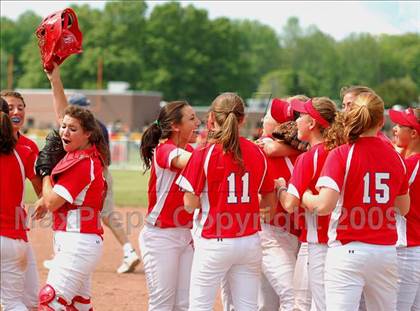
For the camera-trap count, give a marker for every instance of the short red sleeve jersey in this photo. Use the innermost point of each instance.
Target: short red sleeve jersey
(281, 167)
(228, 192)
(14, 168)
(23, 140)
(307, 169)
(83, 186)
(166, 200)
(368, 185)
(408, 227)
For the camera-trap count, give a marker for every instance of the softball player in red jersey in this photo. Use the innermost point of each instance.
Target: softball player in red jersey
(16, 164)
(314, 126)
(165, 240)
(279, 244)
(407, 137)
(224, 179)
(16, 110)
(74, 193)
(362, 190)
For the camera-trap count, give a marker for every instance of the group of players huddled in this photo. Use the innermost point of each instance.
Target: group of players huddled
(322, 212)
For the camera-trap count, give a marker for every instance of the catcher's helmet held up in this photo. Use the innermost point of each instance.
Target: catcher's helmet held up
(59, 37)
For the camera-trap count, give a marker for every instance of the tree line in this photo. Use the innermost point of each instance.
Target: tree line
(184, 54)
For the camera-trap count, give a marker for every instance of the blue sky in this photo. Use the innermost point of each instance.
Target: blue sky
(337, 18)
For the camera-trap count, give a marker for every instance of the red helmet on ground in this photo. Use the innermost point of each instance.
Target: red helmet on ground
(59, 37)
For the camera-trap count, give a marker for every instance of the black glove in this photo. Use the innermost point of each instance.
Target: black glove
(50, 155)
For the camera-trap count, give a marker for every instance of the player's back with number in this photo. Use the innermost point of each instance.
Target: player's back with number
(233, 191)
(376, 176)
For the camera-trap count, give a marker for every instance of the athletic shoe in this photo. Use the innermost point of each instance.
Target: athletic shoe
(129, 263)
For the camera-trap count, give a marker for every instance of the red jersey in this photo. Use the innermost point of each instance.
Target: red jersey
(166, 200)
(228, 192)
(408, 227)
(14, 168)
(23, 140)
(78, 178)
(368, 174)
(384, 138)
(307, 169)
(281, 167)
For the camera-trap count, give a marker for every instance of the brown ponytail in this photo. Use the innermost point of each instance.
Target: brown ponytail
(170, 114)
(229, 112)
(7, 139)
(366, 113)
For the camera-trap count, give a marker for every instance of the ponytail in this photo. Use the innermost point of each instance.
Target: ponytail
(149, 141)
(229, 112)
(366, 113)
(7, 139)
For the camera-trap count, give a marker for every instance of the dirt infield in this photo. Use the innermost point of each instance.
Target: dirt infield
(110, 290)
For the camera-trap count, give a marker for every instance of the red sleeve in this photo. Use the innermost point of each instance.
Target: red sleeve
(192, 178)
(165, 153)
(73, 181)
(302, 175)
(332, 175)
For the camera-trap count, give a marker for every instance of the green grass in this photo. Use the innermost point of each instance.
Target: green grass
(130, 188)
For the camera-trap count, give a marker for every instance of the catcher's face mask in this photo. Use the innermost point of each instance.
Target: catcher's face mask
(58, 37)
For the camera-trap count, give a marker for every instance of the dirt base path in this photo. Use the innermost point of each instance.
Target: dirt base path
(110, 291)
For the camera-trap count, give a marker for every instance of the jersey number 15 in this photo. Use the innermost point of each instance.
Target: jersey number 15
(381, 189)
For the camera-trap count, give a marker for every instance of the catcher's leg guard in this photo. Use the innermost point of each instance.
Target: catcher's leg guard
(49, 301)
(80, 303)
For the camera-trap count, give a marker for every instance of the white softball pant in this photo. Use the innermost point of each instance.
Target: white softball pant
(279, 251)
(75, 258)
(316, 259)
(409, 279)
(13, 267)
(167, 259)
(31, 283)
(303, 297)
(237, 259)
(356, 267)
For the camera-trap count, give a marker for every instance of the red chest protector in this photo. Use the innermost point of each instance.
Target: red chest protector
(71, 159)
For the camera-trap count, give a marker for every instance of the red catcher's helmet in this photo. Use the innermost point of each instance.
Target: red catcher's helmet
(58, 37)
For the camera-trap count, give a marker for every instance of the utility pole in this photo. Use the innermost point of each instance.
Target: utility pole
(10, 72)
(99, 82)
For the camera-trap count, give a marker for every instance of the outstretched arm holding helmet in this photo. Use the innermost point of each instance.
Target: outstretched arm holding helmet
(59, 98)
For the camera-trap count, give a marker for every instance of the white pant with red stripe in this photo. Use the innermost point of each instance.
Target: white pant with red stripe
(13, 267)
(167, 258)
(279, 250)
(356, 267)
(409, 279)
(75, 258)
(237, 259)
(316, 266)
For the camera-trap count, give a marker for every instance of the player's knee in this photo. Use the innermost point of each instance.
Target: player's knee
(49, 301)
